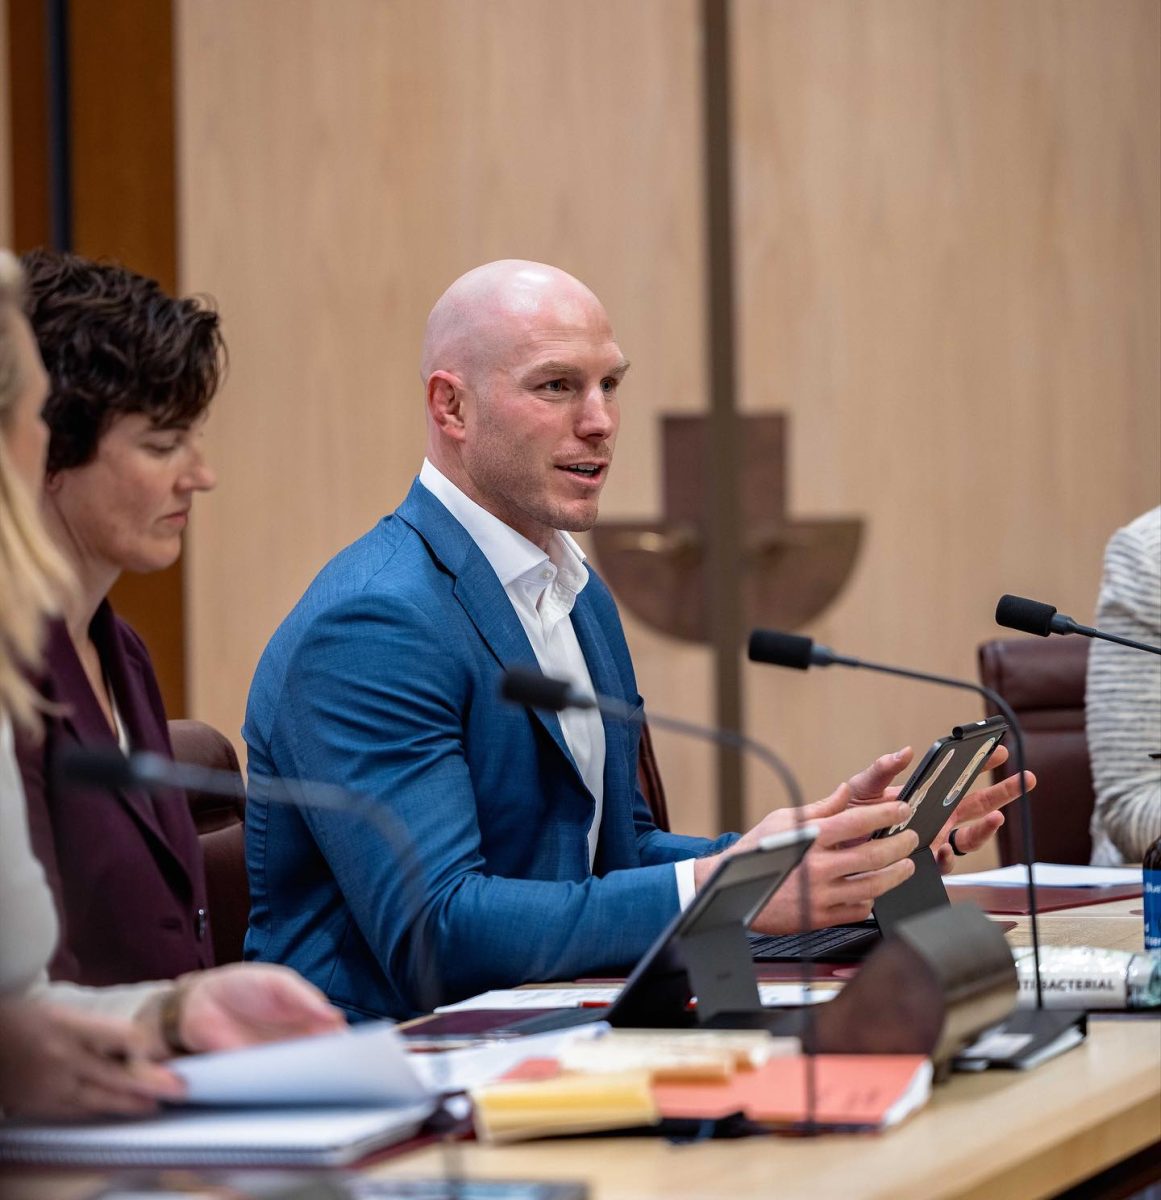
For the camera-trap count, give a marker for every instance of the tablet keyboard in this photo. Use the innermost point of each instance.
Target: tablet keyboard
(843, 943)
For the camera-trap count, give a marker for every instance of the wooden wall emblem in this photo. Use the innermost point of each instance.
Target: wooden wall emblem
(791, 569)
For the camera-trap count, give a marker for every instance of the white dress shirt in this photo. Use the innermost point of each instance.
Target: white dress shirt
(543, 586)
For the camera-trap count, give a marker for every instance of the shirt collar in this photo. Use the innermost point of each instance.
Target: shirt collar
(511, 555)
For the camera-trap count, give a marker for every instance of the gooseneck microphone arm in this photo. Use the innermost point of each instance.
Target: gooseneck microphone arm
(1033, 616)
(524, 685)
(154, 772)
(789, 650)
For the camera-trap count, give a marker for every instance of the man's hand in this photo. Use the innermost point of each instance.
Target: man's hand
(59, 1062)
(846, 872)
(978, 816)
(243, 1004)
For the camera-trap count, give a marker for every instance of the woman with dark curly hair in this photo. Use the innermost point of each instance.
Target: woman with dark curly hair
(131, 372)
(68, 1050)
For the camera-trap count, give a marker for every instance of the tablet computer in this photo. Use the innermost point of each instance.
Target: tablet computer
(704, 950)
(933, 792)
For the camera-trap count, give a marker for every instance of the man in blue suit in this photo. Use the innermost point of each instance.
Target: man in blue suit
(532, 852)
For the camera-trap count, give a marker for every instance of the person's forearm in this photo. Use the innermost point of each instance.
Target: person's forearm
(492, 932)
(138, 1002)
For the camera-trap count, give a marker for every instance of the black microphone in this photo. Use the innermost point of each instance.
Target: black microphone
(790, 650)
(141, 769)
(524, 685)
(1033, 616)
(780, 649)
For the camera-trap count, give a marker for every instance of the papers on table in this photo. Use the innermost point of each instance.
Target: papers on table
(772, 994)
(543, 1097)
(561, 997)
(460, 1070)
(1048, 875)
(367, 1064)
(781, 995)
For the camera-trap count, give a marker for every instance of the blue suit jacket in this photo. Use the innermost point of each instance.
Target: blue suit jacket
(384, 679)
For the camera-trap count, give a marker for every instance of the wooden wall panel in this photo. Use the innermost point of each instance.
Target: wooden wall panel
(947, 230)
(949, 225)
(339, 166)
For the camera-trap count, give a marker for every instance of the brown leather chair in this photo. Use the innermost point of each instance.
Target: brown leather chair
(221, 827)
(1043, 680)
(649, 780)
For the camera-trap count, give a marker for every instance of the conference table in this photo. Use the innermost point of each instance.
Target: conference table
(998, 1135)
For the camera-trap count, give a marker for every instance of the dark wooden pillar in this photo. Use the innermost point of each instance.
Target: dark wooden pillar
(723, 558)
(118, 146)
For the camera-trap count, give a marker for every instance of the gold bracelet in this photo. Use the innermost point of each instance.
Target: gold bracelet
(169, 1019)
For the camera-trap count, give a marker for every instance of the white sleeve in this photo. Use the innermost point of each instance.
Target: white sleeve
(686, 888)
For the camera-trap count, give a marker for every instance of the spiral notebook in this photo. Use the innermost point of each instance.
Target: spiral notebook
(314, 1101)
(304, 1137)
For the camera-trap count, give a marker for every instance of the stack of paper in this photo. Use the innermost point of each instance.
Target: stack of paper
(581, 1090)
(1048, 875)
(706, 1054)
(539, 1100)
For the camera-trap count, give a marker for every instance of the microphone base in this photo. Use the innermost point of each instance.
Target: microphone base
(1025, 1039)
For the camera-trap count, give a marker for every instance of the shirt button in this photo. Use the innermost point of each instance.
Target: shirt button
(200, 924)
(545, 574)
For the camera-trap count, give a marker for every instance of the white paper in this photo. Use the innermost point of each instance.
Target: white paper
(562, 997)
(772, 995)
(366, 1064)
(1049, 875)
(461, 1070)
(783, 995)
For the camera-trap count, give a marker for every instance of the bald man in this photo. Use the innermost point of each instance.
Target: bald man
(537, 856)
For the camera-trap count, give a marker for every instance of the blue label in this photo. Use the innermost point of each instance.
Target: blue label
(1152, 910)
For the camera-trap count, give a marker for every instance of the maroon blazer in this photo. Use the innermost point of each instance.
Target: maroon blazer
(125, 868)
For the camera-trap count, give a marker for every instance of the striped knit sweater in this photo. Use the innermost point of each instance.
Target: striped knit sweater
(1123, 697)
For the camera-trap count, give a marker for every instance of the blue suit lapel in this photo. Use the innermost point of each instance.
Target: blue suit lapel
(480, 594)
(618, 838)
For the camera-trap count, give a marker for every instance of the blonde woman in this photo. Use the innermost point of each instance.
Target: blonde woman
(68, 1050)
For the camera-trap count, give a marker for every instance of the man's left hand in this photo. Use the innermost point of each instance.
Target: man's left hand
(978, 816)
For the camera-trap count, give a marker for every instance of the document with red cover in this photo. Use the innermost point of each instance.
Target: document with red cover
(1005, 899)
(852, 1091)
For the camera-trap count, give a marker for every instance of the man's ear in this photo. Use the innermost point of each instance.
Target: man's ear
(445, 403)
(52, 482)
